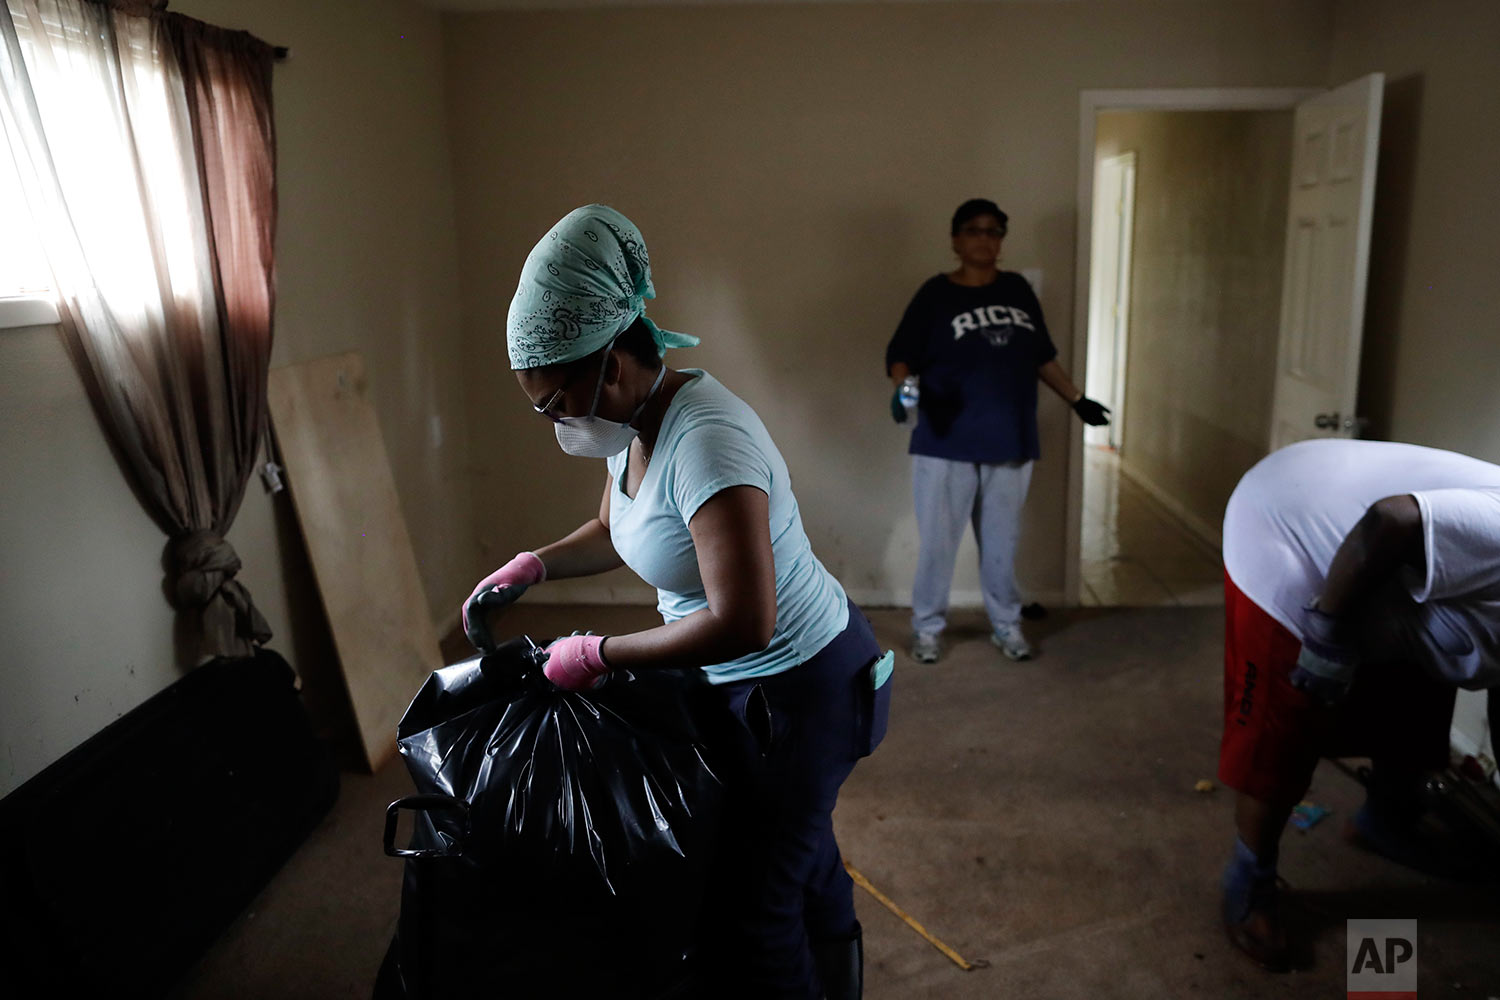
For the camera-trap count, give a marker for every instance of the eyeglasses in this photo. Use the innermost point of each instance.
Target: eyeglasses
(546, 408)
(543, 410)
(991, 232)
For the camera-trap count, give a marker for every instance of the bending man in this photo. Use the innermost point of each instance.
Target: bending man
(1362, 587)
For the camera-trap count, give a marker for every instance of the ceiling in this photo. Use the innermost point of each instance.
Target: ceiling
(472, 5)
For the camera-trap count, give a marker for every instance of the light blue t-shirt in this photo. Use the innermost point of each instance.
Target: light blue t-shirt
(709, 441)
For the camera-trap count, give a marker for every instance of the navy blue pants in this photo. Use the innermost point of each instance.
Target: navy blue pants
(794, 738)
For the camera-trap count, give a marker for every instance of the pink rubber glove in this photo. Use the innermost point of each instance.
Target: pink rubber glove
(522, 571)
(576, 662)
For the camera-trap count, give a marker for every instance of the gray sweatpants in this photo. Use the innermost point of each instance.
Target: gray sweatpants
(948, 495)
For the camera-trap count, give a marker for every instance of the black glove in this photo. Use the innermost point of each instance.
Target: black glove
(898, 408)
(1094, 413)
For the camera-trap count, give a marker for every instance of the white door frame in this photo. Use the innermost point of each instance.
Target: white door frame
(1090, 103)
(1108, 336)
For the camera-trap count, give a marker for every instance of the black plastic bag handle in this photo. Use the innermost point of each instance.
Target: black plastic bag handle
(424, 803)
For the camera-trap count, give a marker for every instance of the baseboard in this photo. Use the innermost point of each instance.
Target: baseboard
(588, 592)
(866, 597)
(1209, 534)
(884, 597)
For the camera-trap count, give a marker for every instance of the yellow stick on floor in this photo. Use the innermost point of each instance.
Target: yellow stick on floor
(886, 902)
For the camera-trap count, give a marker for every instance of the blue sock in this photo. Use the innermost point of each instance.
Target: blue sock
(1246, 878)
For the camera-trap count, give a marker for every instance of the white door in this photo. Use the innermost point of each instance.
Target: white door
(1109, 293)
(1336, 135)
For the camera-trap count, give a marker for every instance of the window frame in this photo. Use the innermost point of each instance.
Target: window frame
(32, 309)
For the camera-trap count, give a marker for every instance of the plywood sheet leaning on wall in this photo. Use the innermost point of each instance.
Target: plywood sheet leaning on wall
(362, 559)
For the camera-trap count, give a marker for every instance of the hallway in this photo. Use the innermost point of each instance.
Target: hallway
(1135, 552)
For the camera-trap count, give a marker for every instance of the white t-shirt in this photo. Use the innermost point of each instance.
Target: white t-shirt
(1291, 512)
(709, 441)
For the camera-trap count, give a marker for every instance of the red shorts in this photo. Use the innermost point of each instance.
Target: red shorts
(1274, 734)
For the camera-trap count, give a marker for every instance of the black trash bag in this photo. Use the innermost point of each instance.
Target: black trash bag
(561, 840)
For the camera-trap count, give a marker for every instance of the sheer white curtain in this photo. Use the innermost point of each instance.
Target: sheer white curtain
(96, 119)
(98, 127)
(23, 267)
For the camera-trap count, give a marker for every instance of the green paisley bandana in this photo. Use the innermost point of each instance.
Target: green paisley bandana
(583, 284)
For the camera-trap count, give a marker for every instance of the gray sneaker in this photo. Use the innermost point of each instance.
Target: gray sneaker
(925, 648)
(1011, 642)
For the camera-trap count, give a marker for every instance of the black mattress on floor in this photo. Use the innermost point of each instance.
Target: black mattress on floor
(121, 862)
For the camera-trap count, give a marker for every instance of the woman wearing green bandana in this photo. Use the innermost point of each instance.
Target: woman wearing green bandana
(698, 502)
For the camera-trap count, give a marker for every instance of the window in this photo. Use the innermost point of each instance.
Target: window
(25, 279)
(107, 123)
(23, 268)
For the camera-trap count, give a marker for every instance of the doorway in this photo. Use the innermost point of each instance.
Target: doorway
(1180, 285)
(1109, 292)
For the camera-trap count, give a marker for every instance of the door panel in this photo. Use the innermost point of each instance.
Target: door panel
(1327, 262)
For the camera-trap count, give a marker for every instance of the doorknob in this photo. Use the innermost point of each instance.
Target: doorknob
(1332, 422)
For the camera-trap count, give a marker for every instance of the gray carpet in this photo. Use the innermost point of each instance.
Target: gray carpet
(1040, 817)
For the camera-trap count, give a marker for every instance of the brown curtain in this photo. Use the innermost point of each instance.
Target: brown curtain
(226, 77)
(139, 7)
(144, 144)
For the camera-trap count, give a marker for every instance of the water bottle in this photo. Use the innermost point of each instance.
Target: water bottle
(909, 393)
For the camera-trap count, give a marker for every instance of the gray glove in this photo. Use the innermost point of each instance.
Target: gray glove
(1325, 666)
(477, 607)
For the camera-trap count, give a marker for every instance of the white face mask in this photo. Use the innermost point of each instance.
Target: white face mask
(593, 436)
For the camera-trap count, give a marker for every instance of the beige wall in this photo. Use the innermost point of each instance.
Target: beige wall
(367, 261)
(85, 631)
(1431, 369)
(793, 169)
(1210, 223)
